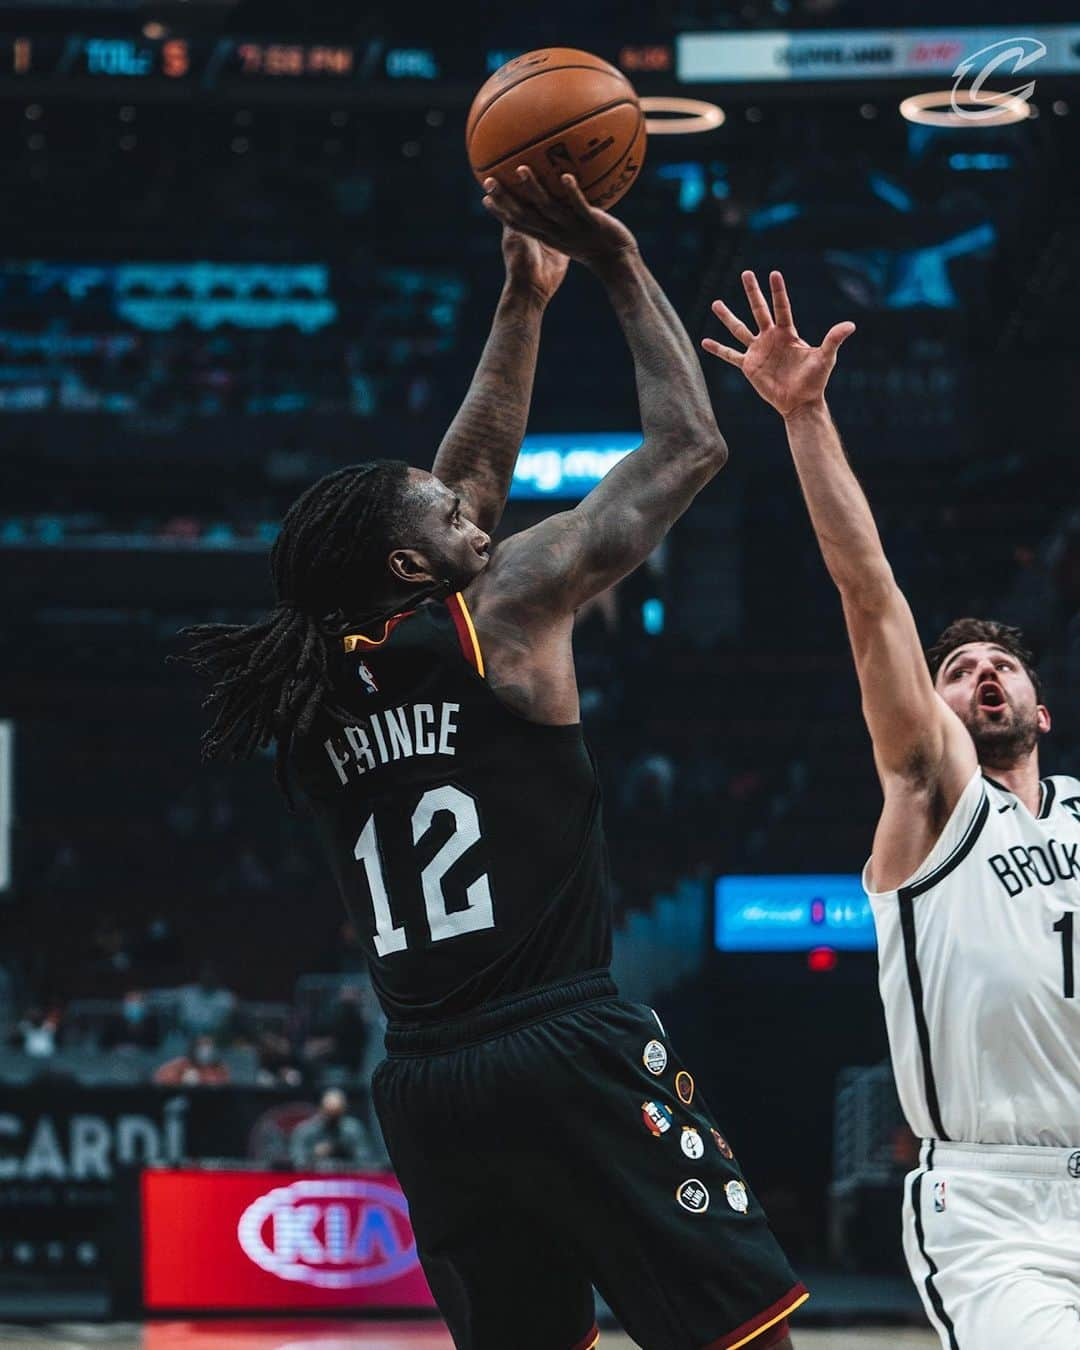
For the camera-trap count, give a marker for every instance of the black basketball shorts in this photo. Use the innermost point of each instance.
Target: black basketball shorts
(555, 1142)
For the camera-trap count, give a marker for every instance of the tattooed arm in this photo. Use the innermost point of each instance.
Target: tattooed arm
(559, 563)
(479, 451)
(524, 601)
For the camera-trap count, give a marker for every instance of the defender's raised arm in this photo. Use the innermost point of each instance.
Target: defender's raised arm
(920, 746)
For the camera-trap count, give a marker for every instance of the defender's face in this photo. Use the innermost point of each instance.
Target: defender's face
(992, 694)
(455, 548)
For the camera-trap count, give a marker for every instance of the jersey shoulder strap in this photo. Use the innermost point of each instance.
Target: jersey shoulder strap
(1060, 791)
(954, 843)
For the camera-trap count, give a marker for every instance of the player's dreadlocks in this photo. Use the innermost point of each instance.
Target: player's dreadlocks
(272, 677)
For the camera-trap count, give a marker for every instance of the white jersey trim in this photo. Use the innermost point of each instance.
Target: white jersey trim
(1024, 1161)
(944, 1325)
(1047, 795)
(950, 847)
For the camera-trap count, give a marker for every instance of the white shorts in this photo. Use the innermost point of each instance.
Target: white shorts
(992, 1240)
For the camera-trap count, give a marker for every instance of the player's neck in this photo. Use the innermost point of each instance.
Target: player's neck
(1021, 778)
(387, 606)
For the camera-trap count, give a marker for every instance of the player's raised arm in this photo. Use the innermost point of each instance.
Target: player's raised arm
(545, 573)
(919, 744)
(478, 453)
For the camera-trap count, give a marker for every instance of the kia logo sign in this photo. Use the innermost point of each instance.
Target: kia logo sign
(332, 1234)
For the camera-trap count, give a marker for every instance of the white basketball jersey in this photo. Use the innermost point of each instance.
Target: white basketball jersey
(979, 955)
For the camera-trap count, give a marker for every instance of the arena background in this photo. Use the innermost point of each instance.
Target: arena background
(240, 246)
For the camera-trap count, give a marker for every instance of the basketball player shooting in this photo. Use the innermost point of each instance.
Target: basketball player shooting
(974, 882)
(418, 686)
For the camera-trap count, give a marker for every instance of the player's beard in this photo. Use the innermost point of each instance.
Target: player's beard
(1001, 744)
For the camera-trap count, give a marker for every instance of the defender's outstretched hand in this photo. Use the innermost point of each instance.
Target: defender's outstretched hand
(786, 371)
(568, 223)
(532, 265)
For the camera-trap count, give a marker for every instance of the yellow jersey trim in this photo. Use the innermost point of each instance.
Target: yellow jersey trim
(354, 640)
(771, 1322)
(472, 633)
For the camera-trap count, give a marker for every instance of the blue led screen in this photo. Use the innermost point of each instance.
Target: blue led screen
(792, 913)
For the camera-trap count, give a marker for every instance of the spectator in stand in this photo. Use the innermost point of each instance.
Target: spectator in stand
(341, 1038)
(37, 1033)
(207, 1008)
(159, 948)
(331, 1137)
(111, 946)
(202, 1066)
(135, 1027)
(7, 999)
(245, 872)
(277, 1063)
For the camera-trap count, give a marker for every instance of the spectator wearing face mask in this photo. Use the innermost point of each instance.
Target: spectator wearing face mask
(136, 1026)
(202, 1066)
(332, 1137)
(38, 1032)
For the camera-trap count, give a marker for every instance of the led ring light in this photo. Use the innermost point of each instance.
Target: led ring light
(936, 110)
(693, 115)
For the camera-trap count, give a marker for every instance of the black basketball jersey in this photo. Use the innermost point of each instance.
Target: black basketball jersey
(466, 841)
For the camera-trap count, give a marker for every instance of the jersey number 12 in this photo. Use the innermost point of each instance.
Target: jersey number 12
(478, 913)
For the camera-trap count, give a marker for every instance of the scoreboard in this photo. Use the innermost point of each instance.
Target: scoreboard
(158, 55)
(169, 58)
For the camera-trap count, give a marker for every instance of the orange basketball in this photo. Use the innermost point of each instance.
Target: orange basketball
(559, 111)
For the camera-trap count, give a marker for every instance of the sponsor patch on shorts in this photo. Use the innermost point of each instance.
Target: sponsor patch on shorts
(737, 1197)
(657, 1117)
(721, 1143)
(654, 1057)
(691, 1142)
(939, 1197)
(693, 1195)
(684, 1087)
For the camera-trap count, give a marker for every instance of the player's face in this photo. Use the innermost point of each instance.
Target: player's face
(992, 694)
(450, 547)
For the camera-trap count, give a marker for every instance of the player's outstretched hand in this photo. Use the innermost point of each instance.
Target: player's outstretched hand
(567, 223)
(786, 371)
(532, 265)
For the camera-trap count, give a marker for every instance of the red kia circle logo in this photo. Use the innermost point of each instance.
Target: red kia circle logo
(333, 1234)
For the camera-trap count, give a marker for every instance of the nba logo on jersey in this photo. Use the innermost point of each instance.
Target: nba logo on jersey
(939, 1197)
(364, 671)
